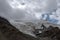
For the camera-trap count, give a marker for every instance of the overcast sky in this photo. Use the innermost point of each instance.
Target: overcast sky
(6, 10)
(28, 9)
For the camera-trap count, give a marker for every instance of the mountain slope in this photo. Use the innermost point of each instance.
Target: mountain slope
(11, 33)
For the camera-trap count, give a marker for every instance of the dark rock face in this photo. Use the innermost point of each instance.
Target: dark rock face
(49, 32)
(11, 33)
(53, 33)
(3, 20)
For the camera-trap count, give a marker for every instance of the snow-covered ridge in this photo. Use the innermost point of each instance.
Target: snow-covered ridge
(29, 27)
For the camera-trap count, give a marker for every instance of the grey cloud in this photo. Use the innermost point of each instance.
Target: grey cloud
(7, 12)
(4, 8)
(51, 5)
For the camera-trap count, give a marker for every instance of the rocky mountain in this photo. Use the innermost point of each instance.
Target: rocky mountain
(10, 32)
